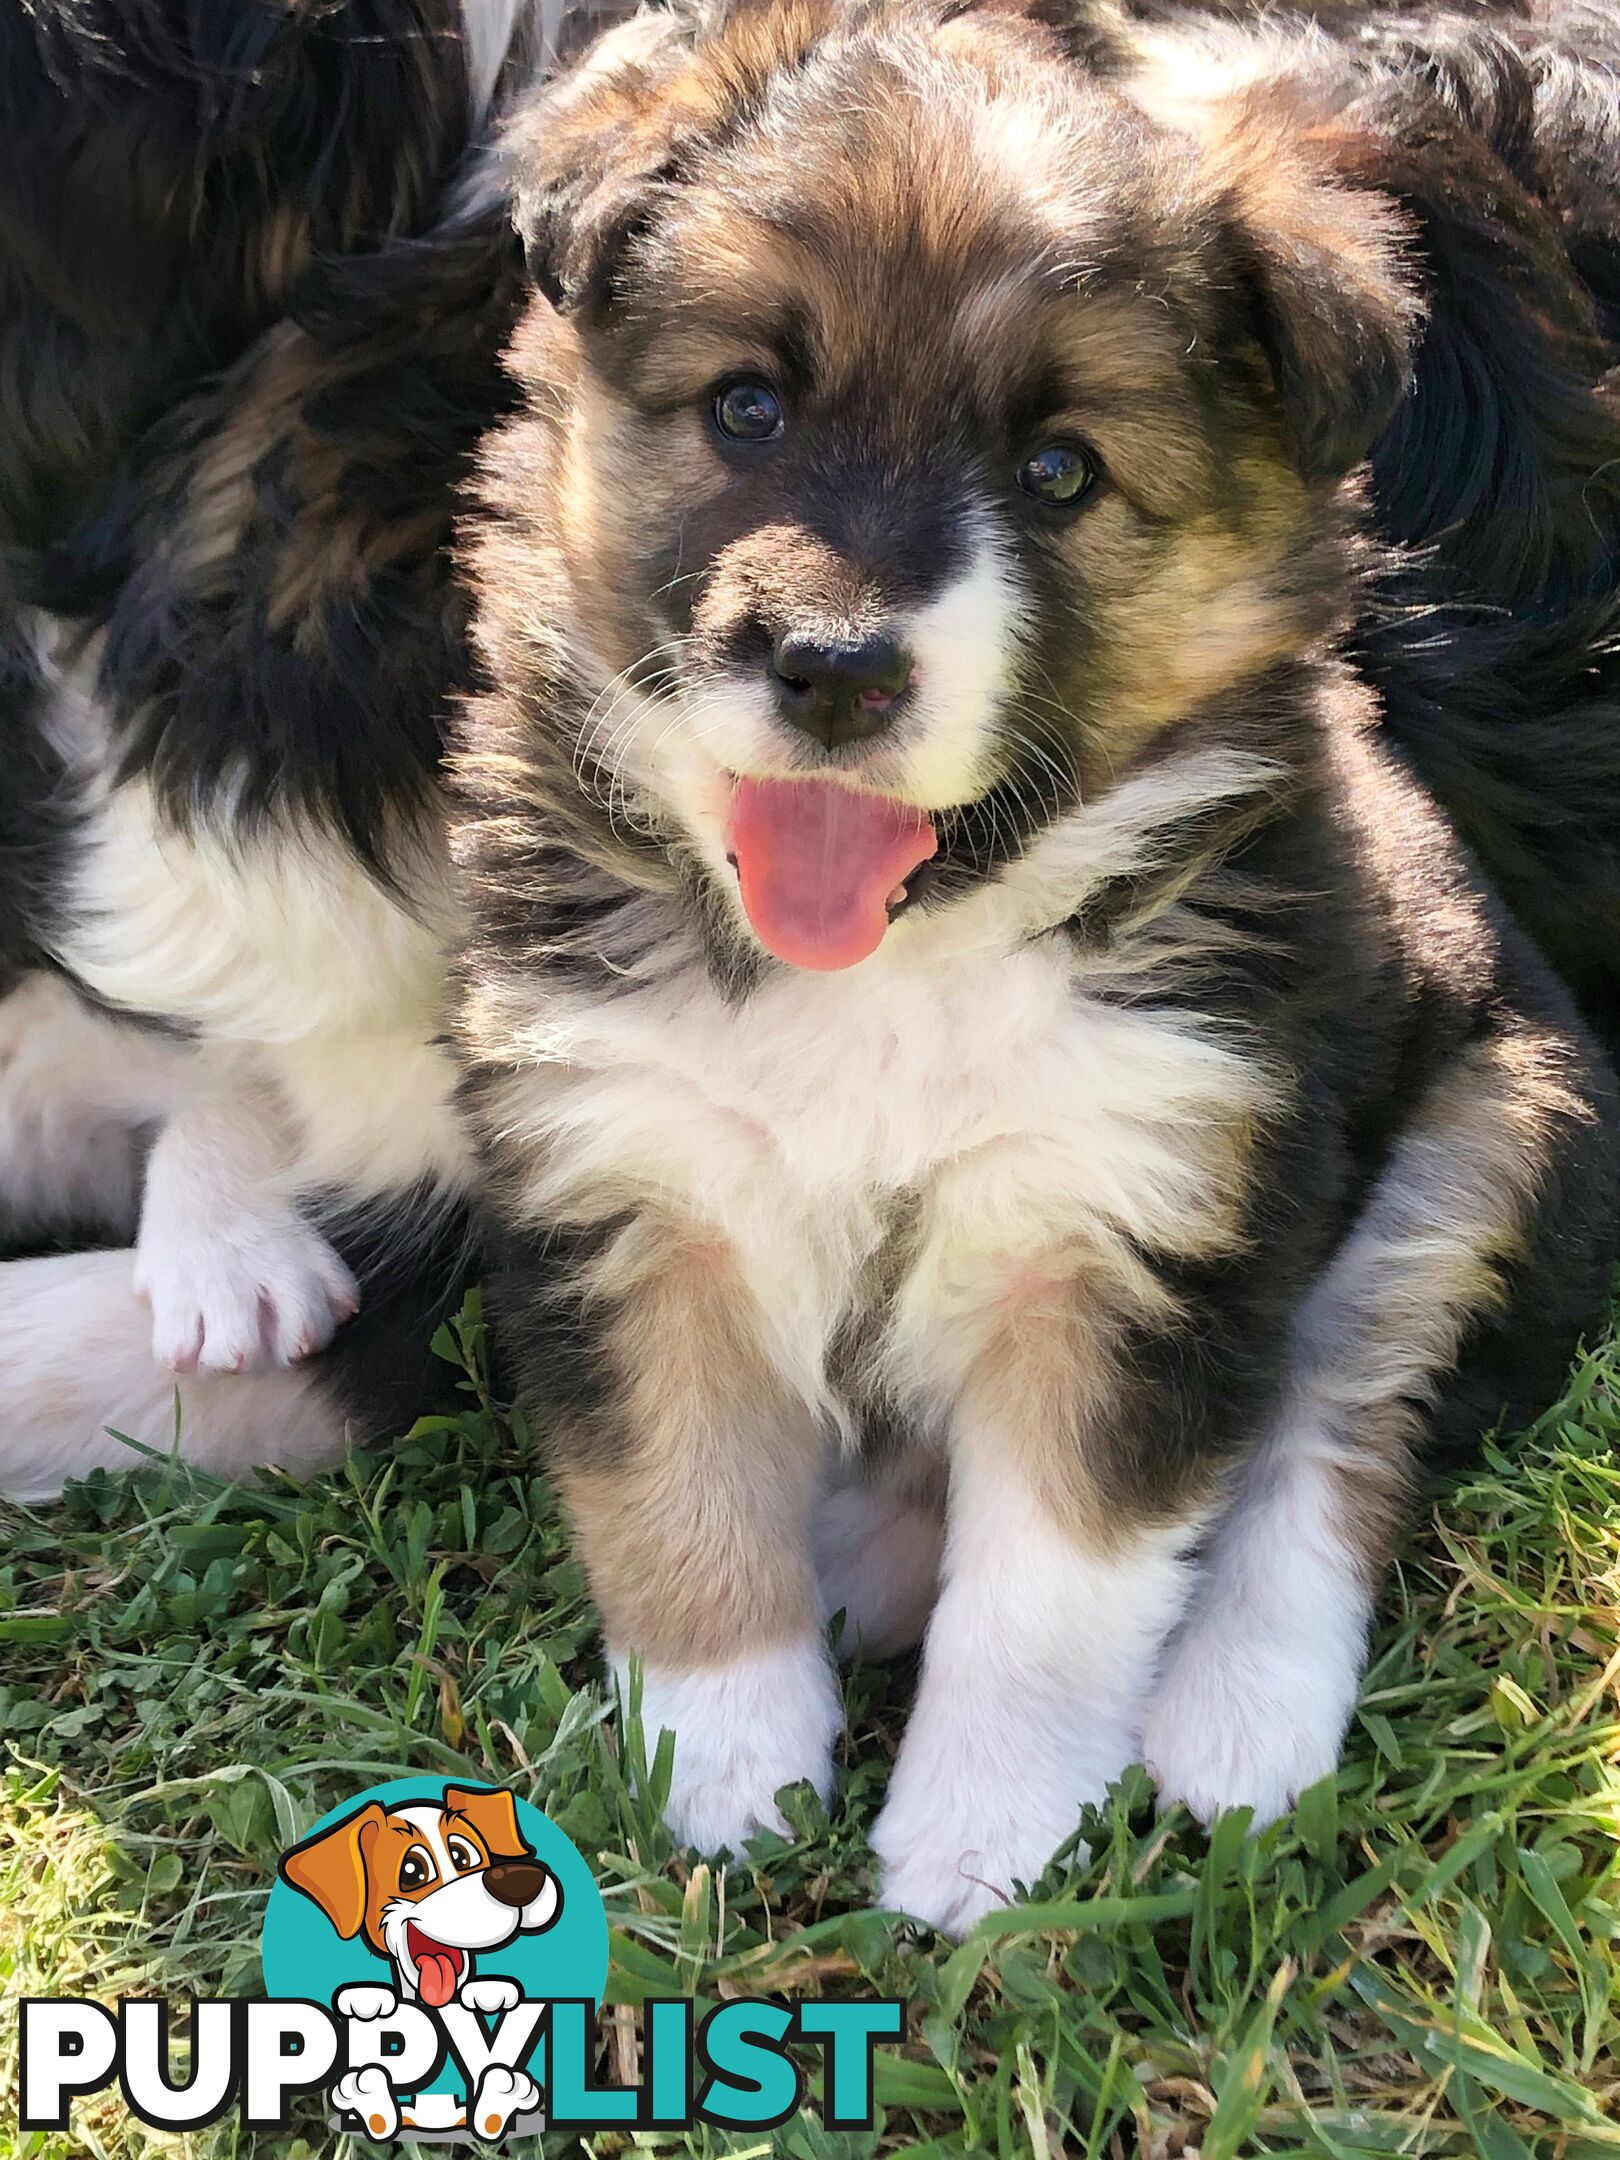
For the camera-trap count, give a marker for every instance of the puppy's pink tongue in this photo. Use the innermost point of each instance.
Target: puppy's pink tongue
(818, 865)
(436, 1977)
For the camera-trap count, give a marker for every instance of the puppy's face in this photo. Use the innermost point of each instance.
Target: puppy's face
(934, 434)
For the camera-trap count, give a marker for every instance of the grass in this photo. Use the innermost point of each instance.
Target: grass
(1422, 1960)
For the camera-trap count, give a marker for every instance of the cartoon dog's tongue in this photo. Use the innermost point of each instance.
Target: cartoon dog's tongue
(437, 1969)
(819, 865)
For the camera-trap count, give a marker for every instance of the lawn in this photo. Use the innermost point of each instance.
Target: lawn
(1421, 1961)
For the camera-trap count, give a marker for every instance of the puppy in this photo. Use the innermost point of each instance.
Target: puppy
(429, 1888)
(234, 637)
(1007, 1110)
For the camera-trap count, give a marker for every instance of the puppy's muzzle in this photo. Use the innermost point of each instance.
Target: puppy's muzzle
(838, 690)
(514, 1882)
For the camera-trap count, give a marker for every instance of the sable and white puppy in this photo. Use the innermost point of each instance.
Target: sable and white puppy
(1006, 1110)
(430, 1887)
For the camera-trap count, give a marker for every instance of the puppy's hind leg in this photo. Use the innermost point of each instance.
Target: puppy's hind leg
(76, 1371)
(1452, 1302)
(81, 1094)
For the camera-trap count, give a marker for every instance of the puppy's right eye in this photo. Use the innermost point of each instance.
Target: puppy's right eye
(748, 412)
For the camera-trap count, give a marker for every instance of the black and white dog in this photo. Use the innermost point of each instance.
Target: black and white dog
(255, 275)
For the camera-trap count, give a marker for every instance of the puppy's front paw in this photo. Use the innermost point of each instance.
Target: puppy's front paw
(742, 1732)
(964, 1825)
(1243, 1720)
(951, 1858)
(255, 1294)
(490, 1996)
(365, 2093)
(502, 2095)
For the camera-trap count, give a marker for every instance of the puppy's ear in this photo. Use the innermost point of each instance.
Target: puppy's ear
(597, 154)
(1324, 278)
(594, 153)
(493, 1815)
(331, 1868)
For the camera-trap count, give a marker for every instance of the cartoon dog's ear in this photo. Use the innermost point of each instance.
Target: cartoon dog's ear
(331, 1868)
(1322, 267)
(494, 1816)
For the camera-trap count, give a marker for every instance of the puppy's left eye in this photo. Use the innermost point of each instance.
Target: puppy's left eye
(1061, 474)
(748, 412)
(462, 1856)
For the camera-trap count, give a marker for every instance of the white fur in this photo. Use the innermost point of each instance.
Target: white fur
(962, 1066)
(877, 1560)
(1035, 1676)
(963, 643)
(79, 1097)
(265, 938)
(236, 1278)
(1260, 1682)
(742, 1731)
(76, 1368)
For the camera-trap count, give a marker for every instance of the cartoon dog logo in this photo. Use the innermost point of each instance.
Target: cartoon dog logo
(429, 1887)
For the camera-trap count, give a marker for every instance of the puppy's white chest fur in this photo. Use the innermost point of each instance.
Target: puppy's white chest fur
(965, 1105)
(267, 935)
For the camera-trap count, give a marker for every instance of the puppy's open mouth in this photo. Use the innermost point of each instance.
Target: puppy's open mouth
(821, 867)
(439, 1966)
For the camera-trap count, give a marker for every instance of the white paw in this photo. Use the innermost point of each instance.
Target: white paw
(742, 1732)
(365, 2002)
(963, 1825)
(1241, 1720)
(949, 1861)
(260, 1292)
(503, 2094)
(490, 1996)
(365, 2094)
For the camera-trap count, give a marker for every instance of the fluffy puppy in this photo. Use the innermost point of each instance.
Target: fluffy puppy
(234, 639)
(1005, 1108)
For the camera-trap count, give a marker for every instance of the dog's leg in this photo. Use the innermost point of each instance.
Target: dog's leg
(1038, 1660)
(1484, 1239)
(76, 1370)
(690, 1470)
(80, 1096)
(236, 1277)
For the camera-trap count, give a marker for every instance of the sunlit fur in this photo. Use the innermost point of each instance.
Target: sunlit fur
(1202, 1157)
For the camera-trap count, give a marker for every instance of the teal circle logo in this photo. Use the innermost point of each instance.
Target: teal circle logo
(460, 1899)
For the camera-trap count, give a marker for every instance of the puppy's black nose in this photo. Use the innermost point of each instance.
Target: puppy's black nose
(839, 690)
(514, 1882)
